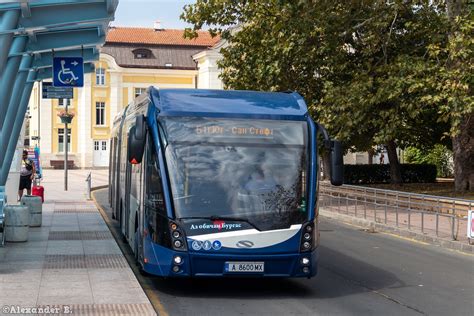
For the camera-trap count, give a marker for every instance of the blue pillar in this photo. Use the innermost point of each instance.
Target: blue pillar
(15, 133)
(7, 77)
(12, 110)
(8, 22)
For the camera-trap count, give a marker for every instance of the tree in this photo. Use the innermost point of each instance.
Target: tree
(367, 69)
(457, 78)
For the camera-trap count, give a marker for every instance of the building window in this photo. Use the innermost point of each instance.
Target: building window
(139, 91)
(61, 140)
(100, 76)
(142, 53)
(100, 113)
(63, 102)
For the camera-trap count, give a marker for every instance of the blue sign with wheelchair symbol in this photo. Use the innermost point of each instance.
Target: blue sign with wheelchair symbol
(68, 72)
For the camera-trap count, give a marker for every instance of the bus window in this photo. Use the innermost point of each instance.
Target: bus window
(155, 210)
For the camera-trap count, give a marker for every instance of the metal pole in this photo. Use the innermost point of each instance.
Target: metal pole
(396, 210)
(40, 87)
(13, 102)
(89, 180)
(7, 77)
(8, 21)
(409, 212)
(25, 98)
(66, 142)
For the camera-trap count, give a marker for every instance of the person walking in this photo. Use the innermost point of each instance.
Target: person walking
(27, 174)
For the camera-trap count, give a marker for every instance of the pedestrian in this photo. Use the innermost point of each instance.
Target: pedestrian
(27, 174)
(382, 158)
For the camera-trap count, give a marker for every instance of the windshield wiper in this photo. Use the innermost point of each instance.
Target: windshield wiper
(223, 218)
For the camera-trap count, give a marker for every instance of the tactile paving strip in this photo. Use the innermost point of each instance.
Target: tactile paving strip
(83, 235)
(102, 309)
(74, 210)
(84, 262)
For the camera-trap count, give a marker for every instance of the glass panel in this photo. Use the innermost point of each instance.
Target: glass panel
(251, 169)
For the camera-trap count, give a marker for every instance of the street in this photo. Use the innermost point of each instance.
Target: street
(361, 273)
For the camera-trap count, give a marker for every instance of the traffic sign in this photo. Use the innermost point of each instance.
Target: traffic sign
(68, 72)
(50, 92)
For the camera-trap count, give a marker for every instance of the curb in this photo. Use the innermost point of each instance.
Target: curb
(100, 187)
(124, 248)
(373, 227)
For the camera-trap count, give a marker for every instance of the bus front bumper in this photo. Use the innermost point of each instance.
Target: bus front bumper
(194, 264)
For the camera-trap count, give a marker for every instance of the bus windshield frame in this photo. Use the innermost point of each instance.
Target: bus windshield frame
(244, 169)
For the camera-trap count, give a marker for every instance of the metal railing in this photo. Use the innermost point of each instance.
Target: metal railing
(444, 217)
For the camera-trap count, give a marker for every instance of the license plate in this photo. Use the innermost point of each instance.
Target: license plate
(244, 267)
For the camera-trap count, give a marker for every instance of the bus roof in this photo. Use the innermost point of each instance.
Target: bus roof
(229, 103)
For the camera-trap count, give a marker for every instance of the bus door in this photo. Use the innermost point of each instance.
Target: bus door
(126, 215)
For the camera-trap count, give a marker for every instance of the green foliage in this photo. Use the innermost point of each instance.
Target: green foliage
(372, 72)
(371, 174)
(439, 155)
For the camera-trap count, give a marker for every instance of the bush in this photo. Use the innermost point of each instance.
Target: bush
(439, 155)
(371, 174)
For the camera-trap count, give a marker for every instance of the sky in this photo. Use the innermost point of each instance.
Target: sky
(144, 12)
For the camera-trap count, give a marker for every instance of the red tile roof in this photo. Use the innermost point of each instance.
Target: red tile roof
(149, 36)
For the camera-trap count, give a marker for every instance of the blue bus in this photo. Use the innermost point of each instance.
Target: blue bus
(219, 183)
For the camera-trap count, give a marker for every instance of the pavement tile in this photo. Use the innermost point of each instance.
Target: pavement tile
(110, 275)
(64, 274)
(25, 282)
(61, 278)
(15, 274)
(65, 247)
(97, 247)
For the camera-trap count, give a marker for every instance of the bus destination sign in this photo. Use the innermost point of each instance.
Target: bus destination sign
(217, 130)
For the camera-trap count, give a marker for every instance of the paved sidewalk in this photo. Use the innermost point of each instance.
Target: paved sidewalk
(72, 261)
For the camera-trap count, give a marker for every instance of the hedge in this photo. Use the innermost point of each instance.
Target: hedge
(369, 174)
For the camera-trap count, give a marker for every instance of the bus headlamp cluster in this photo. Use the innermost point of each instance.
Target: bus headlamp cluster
(177, 237)
(308, 241)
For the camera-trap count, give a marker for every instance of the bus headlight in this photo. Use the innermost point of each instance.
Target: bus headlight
(309, 240)
(178, 240)
(178, 260)
(305, 261)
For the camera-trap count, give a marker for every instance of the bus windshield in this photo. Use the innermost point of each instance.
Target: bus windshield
(253, 170)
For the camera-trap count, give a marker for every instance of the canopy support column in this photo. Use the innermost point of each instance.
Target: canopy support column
(9, 21)
(11, 115)
(7, 78)
(15, 133)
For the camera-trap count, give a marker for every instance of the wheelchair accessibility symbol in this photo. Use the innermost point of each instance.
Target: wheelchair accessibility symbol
(68, 72)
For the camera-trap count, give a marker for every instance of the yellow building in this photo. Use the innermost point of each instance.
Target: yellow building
(131, 60)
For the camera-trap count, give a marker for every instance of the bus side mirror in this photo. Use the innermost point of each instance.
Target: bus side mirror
(337, 164)
(137, 140)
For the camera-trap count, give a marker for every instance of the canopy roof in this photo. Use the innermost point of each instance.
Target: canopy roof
(32, 33)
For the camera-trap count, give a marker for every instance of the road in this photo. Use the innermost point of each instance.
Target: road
(361, 273)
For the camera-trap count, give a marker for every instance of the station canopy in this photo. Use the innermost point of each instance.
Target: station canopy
(32, 33)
